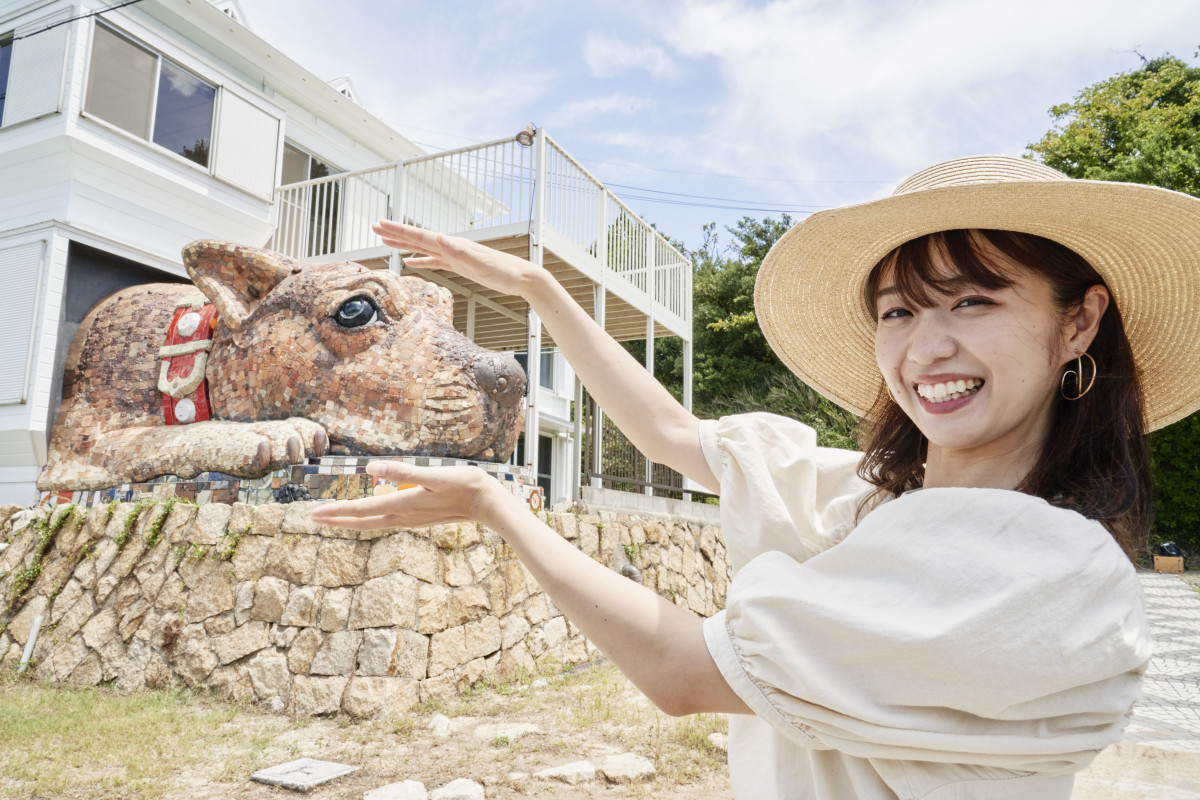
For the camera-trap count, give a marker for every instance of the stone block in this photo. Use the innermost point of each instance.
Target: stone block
(267, 519)
(212, 520)
(480, 559)
(241, 517)
(335, 609)
(513, 629)
(626, 768)
(312, 696)
(220, 624)
(467, 603)
(232, 684)
(66, 657)
(455, 569)
(296, 519)
(283, 636)
(131, 617)
(89, 672)
(243, 601)
(100, 629)
(271, 680)
(337, 654)
(270, 598)
(191, 655)
(384, 602)
(574, 773)
(243, 641)
(458, 789)
(304, 648)
(301, 608)
(447, 650)
(250, 556)
(393, 653)
(79, 613)
(212, 596)
(405, 553)
(433, 608)
(70, 594)
(455, 536)
(380, 696)
(292, 557)
(515, 664)
(341, 562)
(483, 637)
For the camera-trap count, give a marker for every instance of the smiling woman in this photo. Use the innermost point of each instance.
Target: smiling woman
(953, 614)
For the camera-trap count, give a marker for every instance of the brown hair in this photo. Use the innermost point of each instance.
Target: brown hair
(1094, 460)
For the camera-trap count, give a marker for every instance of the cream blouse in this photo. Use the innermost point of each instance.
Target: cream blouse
(955, 643)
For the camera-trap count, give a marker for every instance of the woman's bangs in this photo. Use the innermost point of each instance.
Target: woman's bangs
(917, 268)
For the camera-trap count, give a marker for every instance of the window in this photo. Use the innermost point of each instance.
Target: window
(546, 379)
(5, 61)
(141, 92)
(321, 202)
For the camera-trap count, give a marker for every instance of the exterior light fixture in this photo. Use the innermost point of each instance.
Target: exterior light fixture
(525, 137)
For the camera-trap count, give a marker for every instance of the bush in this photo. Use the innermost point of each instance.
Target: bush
(1175, 462)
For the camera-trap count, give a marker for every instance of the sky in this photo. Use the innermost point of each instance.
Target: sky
(699, 111)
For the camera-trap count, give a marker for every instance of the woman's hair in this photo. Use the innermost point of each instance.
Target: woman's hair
(1094, 460)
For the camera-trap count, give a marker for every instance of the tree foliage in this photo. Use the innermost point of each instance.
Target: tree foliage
(1143, 127)
(734, 369)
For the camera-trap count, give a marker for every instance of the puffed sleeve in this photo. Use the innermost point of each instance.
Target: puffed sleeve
(779, 491)
(973, 626)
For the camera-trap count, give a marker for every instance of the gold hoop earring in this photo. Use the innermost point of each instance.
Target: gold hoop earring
(1078, 373)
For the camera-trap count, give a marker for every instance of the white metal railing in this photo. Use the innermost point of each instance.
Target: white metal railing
(483, 186)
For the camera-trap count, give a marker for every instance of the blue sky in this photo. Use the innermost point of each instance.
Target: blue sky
(790, 105)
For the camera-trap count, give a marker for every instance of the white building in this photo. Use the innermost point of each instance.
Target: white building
(130, 129)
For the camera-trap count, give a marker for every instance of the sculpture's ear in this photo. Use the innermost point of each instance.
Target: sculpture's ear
(235, 277)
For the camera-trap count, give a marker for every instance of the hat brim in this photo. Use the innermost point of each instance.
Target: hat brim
(1144, 241)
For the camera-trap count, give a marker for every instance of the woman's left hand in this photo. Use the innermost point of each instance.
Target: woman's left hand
(438, 495)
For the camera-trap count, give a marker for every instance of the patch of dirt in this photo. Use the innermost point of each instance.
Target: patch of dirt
(582, 716)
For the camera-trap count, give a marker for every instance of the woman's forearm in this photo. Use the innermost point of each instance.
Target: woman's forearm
(657, 644)
(657, 424)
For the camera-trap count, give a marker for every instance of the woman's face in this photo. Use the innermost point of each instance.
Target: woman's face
(976, 372)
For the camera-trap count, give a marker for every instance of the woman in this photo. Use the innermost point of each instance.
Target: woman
(951, 615)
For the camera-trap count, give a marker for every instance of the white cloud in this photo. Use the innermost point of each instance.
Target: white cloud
(576, 112)
(900, 82)
(608, 56)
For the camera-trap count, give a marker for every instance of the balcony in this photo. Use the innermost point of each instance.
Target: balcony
(535, 201)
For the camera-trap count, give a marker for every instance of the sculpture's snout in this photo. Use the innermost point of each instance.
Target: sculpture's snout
(501, 377)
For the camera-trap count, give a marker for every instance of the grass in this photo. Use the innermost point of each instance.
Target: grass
(61, 741)
(70, 742)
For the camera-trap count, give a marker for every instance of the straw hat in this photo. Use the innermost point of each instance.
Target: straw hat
(1145, 241)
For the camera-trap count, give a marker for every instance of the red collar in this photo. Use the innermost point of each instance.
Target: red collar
(184, 357)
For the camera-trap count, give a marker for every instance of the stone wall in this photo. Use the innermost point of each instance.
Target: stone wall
(260, 605)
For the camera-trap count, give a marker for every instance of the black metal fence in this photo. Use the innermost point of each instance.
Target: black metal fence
(622, 466)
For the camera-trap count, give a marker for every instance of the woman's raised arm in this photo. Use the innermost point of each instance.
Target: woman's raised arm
(657, 644)
(638, 404)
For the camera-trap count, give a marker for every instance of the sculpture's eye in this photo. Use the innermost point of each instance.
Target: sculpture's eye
(355, 312)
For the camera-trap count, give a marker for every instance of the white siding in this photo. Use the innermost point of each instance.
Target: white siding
(19, 280)
(36, 74)
(247, 145)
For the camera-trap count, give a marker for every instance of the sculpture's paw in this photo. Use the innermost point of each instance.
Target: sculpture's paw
(289, 441)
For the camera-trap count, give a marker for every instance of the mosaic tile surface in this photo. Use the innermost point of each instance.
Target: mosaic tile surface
(298, 360)
(326, 478)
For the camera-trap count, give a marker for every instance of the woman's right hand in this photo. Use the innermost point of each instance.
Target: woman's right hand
(475, 262)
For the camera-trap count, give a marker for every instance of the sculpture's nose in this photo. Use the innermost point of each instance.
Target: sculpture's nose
(501, 376)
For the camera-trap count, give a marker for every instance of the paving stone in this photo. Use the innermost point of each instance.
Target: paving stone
(573, 773)
(461, 789)
(404, 790)
(303, 774)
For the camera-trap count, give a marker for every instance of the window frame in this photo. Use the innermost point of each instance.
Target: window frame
(6, 40)
(148, 137)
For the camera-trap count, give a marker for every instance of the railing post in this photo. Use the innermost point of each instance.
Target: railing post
(534, 339)
(598, 308)
(687, 387)
(577, 449)
(648, 489)
(399, 201)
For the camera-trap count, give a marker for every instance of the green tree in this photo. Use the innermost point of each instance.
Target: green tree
(1143, 126)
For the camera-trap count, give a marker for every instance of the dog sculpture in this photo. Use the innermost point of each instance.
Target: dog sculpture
(266, 360)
